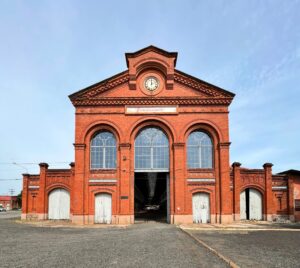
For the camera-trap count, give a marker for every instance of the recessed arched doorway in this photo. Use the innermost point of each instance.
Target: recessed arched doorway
(201, 208)
(251, 204)
(151, 179)
(59, 204)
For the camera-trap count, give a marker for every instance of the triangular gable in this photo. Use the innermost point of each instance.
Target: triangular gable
(202, 86)
(148, 49)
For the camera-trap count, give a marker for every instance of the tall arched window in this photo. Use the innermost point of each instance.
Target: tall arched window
(103, 151)
(151, 150)
(199, 150)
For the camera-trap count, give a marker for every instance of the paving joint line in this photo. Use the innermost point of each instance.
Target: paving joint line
(218, 254)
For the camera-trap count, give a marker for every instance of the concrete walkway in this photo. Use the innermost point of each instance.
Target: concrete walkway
(244, 225)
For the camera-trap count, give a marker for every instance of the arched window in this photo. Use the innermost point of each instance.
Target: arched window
(199, 150)
(103, 151)
(151, 150)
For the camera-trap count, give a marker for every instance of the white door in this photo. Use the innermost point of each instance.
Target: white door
(243, 215)
(59, 205)
(201, 208)
(255, 205)
(103, 208)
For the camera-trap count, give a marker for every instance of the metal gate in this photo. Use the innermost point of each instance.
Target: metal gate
(59, 205)
(201, 211)
(103, 208)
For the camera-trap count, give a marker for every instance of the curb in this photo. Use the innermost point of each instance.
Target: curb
(240, 229)
(221, 256)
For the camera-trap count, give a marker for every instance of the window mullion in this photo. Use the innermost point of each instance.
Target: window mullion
(104, 152)
(151, 157)
(200, 158)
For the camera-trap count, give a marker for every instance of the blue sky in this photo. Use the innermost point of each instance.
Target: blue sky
(50, 49)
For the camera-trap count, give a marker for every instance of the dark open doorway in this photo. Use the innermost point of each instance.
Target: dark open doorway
(151, 196)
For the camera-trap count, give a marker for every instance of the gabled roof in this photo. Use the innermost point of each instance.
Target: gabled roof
(98, 84)
(290, 171)
(226, 92)
(148, 49)
(211, 94)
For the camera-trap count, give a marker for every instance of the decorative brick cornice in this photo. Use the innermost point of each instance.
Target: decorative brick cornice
(102, 86)
(178, 145)
(108, 101)
(224, 144)
(79, 146)
(125, 145)
(199, 85)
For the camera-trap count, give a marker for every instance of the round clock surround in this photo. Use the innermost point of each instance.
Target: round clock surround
(151, 83)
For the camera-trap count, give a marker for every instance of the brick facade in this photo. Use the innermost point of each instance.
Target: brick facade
(120, 104)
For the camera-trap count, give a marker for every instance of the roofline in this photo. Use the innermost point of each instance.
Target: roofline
(208, 84)
(289, 171)
(151, 47)
(71, 96)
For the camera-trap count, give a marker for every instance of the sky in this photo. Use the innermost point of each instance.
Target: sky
(50, 49)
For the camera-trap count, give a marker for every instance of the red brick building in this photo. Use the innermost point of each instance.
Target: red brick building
(153, 143)
(9, 202)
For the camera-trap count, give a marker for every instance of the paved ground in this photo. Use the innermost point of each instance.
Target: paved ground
(10, 214)
(255, 248)
(140, 245)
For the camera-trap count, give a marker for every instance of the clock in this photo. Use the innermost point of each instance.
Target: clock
(151, 83)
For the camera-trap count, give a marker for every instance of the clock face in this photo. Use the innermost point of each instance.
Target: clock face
(151, 83)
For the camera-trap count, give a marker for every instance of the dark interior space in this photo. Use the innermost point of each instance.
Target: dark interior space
(247, 204)
(150, 197)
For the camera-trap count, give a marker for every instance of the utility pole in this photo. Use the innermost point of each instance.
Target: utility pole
(11, 192)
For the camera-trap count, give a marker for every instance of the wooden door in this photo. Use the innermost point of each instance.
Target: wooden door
(59, 205)
(103, 208)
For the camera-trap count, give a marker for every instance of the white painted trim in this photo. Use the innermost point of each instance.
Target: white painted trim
(151, 109)
(279, 187)
(103, 180)
(33, 187)
(152, 170)
(201, 180)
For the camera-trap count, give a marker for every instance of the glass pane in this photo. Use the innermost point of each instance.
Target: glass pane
(193, 157)
(96, 157)
(206, 157)
(143, 157)
(110, 157)
(161, 157)
(151, 149)
(199, 150)
(103, 145)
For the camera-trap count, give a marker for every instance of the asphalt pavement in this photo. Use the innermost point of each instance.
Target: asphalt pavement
(250, 248)
(139, 245)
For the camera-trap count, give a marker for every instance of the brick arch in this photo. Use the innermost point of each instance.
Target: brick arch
(201, 190)
(95, 127)
(103, 191)
(253, 186)
(210, 128)
(152, 121)
(53, 187)
(57, 186)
